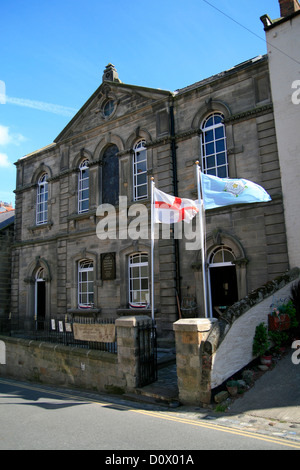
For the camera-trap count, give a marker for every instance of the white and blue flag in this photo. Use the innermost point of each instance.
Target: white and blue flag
(219, 192)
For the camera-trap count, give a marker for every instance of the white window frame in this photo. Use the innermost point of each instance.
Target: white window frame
(83, 179)
(140, 170)
(139, 295)
(42, 200)
(211, 159)
(85, 280)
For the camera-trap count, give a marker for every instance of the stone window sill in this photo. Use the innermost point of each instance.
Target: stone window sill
(47, 225)
(84, 311)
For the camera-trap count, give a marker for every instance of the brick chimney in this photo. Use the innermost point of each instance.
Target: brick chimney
(288, 7)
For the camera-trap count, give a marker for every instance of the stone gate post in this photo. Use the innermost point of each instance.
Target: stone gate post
(195, 344)
(128, 347)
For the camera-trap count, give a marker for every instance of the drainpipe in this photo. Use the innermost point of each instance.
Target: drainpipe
(175, 185)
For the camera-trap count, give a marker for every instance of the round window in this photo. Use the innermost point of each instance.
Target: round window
(108, 108)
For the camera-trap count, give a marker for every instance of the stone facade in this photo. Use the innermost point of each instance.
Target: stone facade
(58, 263)
(66, 366)
(6, 241)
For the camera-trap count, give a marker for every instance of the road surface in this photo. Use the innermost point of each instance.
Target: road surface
(37, 417)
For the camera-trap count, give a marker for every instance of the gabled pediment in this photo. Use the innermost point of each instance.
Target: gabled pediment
(111, 101)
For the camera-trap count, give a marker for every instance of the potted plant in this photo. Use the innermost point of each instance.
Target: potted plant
(280, 317)
(261, 344)
(232, 387)
(278, 339)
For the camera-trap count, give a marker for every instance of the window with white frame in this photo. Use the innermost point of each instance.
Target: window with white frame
(140, 184)
(138, 280)
(83, 187)
(86, 284)
(214, 148)
(222, 255)
(42, 200)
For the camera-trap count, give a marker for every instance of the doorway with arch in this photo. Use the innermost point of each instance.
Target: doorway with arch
(226, 273)
(40, 299)
(222, 276)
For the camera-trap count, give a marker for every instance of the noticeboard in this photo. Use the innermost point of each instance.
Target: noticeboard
(102, 333)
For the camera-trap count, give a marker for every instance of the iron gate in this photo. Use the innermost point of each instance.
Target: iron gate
(147, 341)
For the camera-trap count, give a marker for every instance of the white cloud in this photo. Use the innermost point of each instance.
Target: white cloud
(4, 161)
(6, 137)
(42, 106)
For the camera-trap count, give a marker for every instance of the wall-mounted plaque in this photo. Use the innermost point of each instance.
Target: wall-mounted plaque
(108, 266)
(102, 333)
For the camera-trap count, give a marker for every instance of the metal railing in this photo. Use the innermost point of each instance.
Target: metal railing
(147, 343)
(58, 330)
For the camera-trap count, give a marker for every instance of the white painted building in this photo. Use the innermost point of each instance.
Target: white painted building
(283, 43)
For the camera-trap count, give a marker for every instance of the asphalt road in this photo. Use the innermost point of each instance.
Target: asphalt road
(37, 417)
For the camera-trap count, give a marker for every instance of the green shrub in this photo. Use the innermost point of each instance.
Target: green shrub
(261, 341)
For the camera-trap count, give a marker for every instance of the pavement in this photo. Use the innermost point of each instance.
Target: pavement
(271, 406)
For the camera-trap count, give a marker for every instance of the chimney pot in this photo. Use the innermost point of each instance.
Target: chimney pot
(288, 7)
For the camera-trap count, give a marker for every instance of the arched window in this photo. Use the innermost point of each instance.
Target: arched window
(140, 185)
(138, 280)
(86, 284)
(42, 200)
(221, 255)
(110, 175)
(40, 274)
(40, 299)
(214, 148)
(83, 187)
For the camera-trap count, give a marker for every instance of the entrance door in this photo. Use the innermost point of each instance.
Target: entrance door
(40, 300)
(223, 280)
(223, 286)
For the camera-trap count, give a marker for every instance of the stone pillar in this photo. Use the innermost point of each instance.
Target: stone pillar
(196, 341)
(128, 347)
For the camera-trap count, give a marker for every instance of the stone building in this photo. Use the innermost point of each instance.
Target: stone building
(6, 241)
(122, 137)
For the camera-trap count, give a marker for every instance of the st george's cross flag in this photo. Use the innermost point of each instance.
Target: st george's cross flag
(219, 192)
(170, 209)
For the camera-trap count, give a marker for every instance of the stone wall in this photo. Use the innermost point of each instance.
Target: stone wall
(54, 364)
(61, 365)
(6, 238)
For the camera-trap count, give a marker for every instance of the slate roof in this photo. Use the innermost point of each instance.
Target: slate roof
(6, 219)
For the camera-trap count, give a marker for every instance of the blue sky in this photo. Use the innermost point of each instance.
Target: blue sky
(53, 54)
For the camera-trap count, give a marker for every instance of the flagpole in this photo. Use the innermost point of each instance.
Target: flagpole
(202, 235)
(152, 248)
